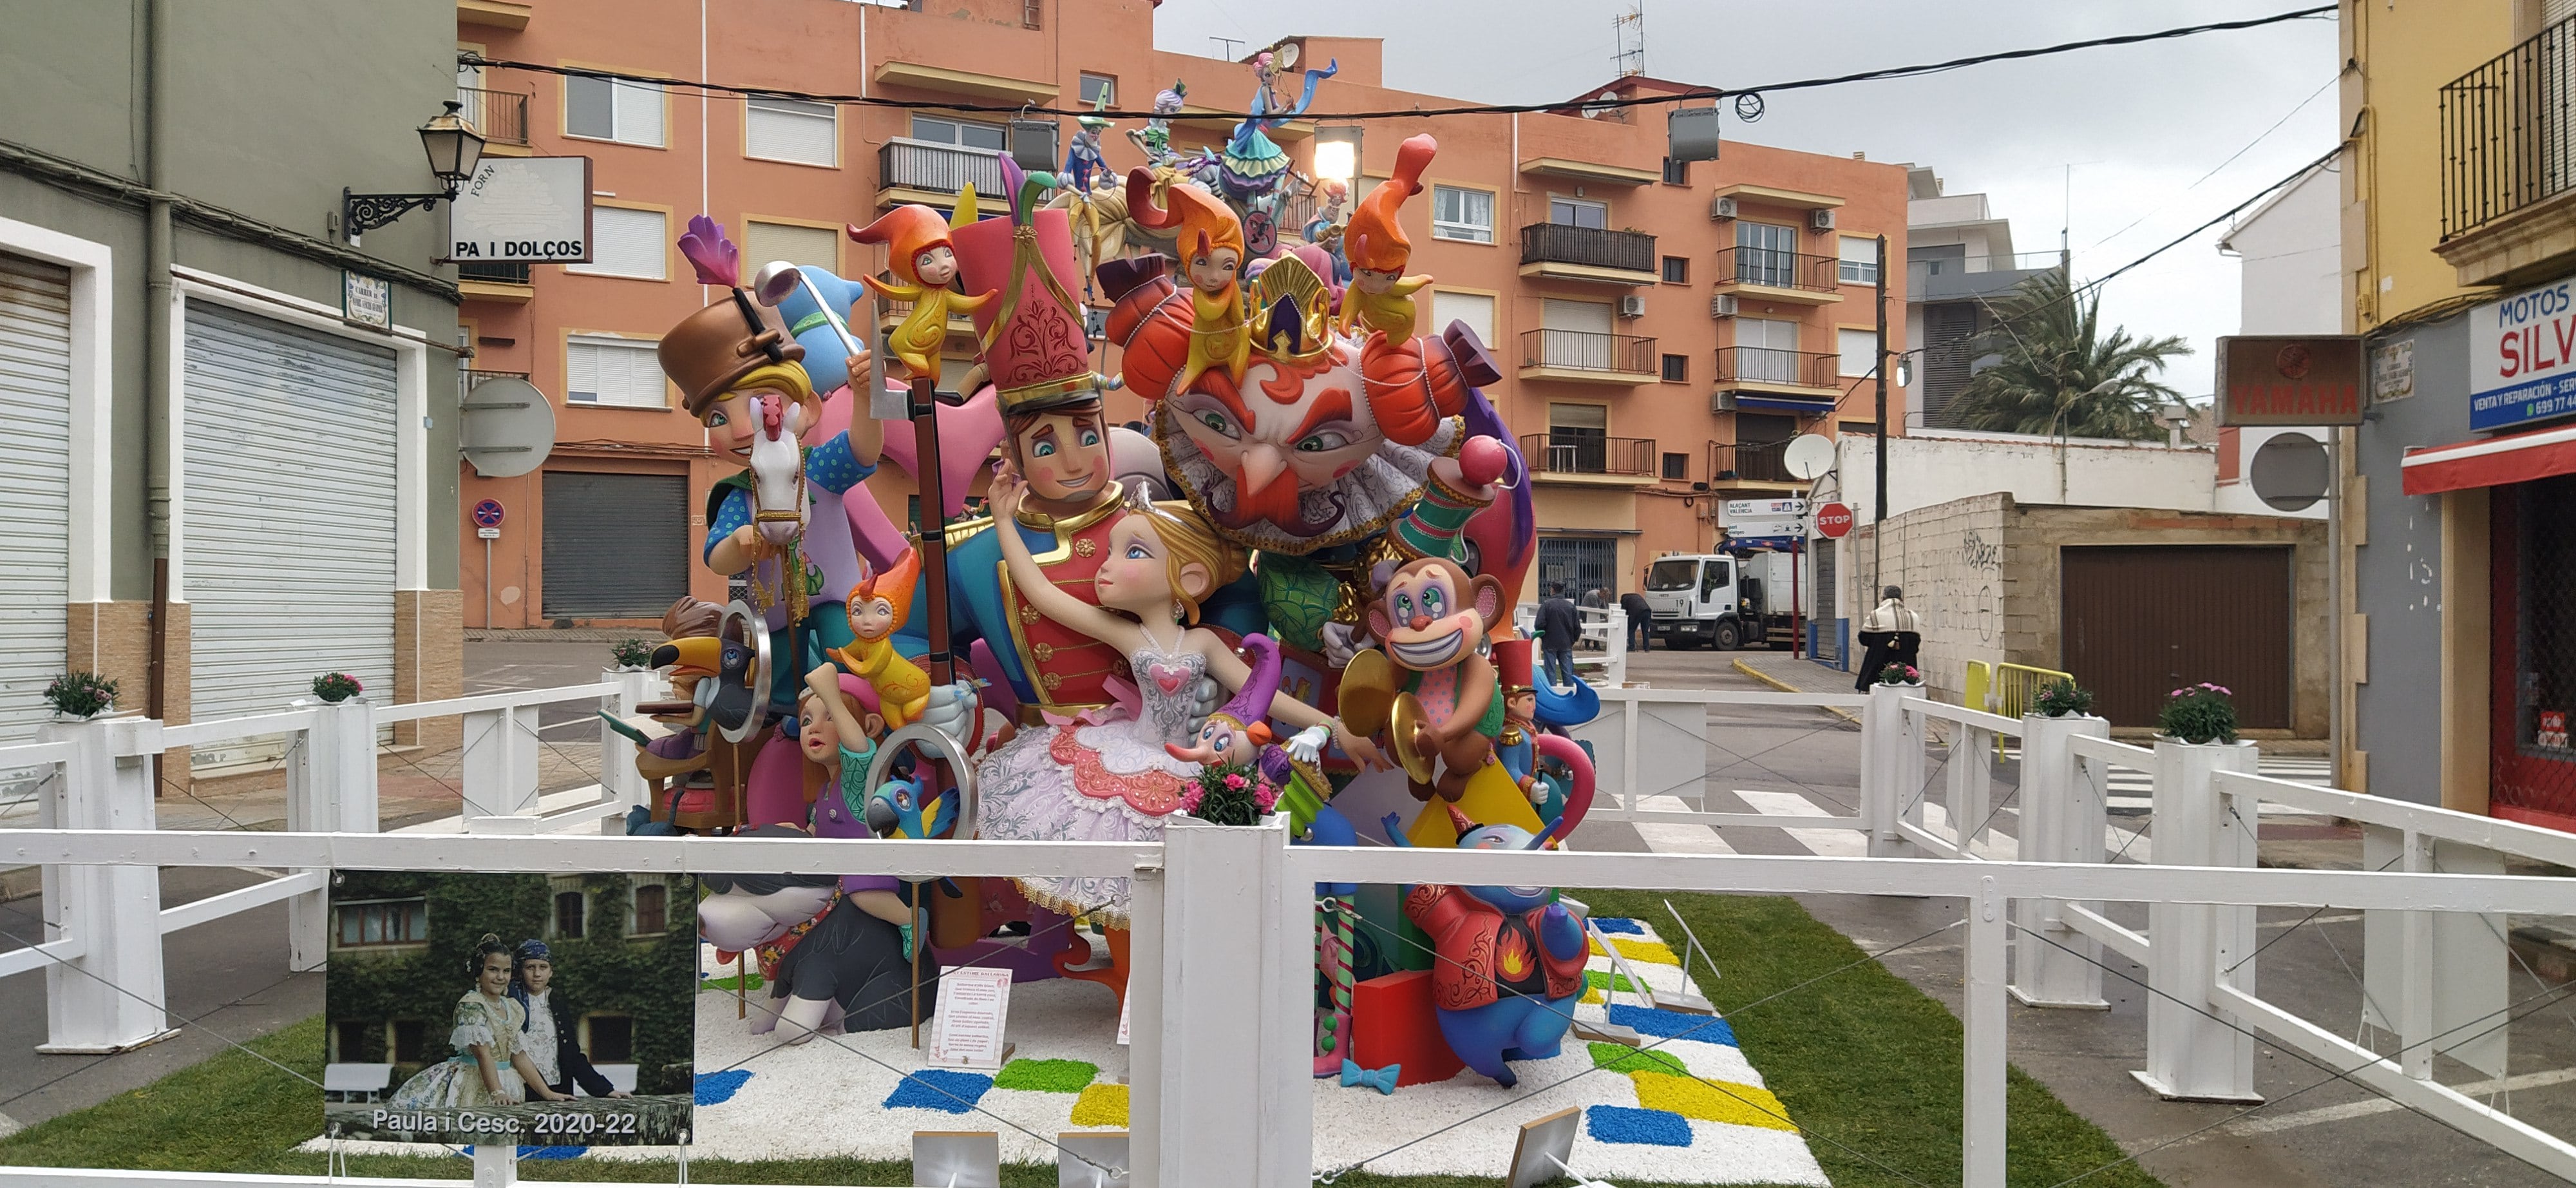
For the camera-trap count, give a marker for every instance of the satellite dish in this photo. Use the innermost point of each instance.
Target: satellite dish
(1287, 54)
(1808, 457)
(2289, 472)
(508, 427)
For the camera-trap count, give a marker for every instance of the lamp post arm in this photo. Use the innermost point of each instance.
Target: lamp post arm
(361, 213)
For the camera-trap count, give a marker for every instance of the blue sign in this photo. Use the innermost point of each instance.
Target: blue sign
(487, 514)
(2522, 358)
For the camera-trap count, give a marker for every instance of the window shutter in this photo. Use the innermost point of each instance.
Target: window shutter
(810, 247)
(1475, 309)
(639, 113)
(581, 373)
(1859, 350)
(589, 107)
(614, 372)
(792, 130)
(626, 242)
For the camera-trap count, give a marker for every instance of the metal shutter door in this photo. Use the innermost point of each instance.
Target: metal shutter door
(288, 523)
(617, 545)
(35, 489)
(2139, 621)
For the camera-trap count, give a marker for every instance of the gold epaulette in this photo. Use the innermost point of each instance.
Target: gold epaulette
(959, 530)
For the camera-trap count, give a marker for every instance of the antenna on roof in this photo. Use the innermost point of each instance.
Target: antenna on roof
(1229, 43)
(1631, 31)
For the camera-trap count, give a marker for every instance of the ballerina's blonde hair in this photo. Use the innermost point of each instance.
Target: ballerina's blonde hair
(1188, 540)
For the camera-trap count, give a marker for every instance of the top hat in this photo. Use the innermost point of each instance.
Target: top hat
(713, 349)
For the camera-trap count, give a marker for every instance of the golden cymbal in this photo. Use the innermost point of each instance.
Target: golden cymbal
(1367, 689)
(1407, 717)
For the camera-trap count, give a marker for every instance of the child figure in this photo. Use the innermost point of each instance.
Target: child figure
(1380, 296)
(1111, 775)
(877, 607)
(490, 1066)
(921, 255)
(838, 732)
(1211, 245)
(1239, 734)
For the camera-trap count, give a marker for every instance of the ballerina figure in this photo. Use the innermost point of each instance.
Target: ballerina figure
(1110, 775)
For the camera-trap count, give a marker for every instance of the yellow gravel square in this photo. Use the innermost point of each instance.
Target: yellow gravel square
(1650, 952)
(1103, 1104)
(1712, 1101)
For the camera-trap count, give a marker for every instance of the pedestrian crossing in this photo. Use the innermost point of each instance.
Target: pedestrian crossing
(2130, 792)
(1998, 844)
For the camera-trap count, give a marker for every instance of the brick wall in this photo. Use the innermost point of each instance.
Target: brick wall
(1949, 560)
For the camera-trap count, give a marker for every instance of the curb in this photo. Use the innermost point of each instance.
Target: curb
(1786, 687)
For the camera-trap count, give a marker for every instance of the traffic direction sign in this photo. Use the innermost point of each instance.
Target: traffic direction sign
(1833, 520)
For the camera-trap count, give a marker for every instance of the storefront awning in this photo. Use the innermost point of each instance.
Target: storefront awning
(2494, 461)
(1793, 404)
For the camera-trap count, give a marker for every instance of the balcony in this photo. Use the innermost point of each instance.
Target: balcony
(1774, 274)
(2509, 162)
(1558, 251)
(509, 284)
(1774, 379)
(1752, 464)
(1586, 458)
(931, 173)
(501, 116)
(1974, 278)
(494, 14)
(1588, 357)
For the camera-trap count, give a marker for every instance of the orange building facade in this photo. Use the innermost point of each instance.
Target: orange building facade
(1662, 330)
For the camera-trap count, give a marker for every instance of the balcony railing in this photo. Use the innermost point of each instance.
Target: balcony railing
(1596, 247)
(495, 273)
(1777, 268)
(937, 168)
(501, 116)
(1589, 453)
(1588, 350)
(1775, 365)
(1760, 462)
(468, 379)
(2509, 131)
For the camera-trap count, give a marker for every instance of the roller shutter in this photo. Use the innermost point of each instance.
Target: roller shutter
(617, 545)
(35, 489)
(287, 528)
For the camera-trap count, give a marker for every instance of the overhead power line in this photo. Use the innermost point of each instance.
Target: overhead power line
(1709, 93)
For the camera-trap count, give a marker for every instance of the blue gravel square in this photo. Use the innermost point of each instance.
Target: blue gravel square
(1620, 925)
(1706, 1029)
(1645, 1128)
(717, 1088)
(940, 1089)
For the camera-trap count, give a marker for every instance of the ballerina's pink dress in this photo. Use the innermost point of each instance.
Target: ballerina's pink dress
(1102, 776)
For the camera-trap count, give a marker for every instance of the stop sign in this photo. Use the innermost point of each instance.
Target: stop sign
(1834, 520)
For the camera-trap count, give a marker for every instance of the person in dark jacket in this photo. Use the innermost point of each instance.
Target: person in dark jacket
(1559, 625)
(550, 1037)
(1641, 621)
(1892, 635)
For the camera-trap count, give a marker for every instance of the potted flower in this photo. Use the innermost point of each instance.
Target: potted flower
(336, 687)
(2199, 715)
(1900, 674)
(631, 655)
(2062, 699)
(1230, 794)
(81, 695)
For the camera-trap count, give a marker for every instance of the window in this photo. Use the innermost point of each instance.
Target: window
(1099, 89)
(811, 247)
(391, 922)
(617, 372)
(1576, 212)
(1578, 438)
(1766, 350)
(610, 1039)
(1859, 264)
(1578, 334)
(1860, 350)
(627, 242)
(1753, 429)
(1677, 270)
(1676, 368)
(792, 130)
(1677, 466)
(1475, 309)
(1460, 213)
(572, 917)
(652, 910)
(348, 1041)
(613, 109)
(1676, 173)
(963, 133)
(411, 1040)
(1863, 428)
(1766, 254)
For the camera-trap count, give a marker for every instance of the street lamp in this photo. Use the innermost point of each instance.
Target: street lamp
(455, 150)
(1337, 154)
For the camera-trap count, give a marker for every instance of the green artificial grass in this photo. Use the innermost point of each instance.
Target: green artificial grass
(1867, 1065)
(1047, 1076)
(1602, 979)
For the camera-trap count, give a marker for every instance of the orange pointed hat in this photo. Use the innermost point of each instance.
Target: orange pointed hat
(1373, 239)
(1199, 216)
(908, 231)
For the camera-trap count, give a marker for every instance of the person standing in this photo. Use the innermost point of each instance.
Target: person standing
(1892, 635)
(1559, 625)
(1641, 621)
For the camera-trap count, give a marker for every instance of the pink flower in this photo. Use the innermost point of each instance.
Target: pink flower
(1191, 797)
(1234, 779)
(1265, 796)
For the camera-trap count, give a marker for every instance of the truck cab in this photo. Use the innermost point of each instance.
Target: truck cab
(1695, 601)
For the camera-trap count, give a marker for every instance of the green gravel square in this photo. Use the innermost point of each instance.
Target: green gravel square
(1047, 1076)
(1622, 1058)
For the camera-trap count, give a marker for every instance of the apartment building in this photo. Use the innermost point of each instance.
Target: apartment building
(1664, 328)
(1959, 261)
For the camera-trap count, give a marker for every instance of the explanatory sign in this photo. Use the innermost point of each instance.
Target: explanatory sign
(2520, 352)
(2285, 379)
(533, 210)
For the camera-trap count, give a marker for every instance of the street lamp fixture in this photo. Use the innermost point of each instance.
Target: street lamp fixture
(1337, 154)
(455, 150)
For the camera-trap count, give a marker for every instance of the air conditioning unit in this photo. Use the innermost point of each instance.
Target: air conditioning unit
(1722, 306)
(1721, 208)
(1632, 306)
(1821, 220)
(1721, 402)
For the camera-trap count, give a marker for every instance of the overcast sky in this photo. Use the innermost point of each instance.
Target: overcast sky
(2140, 124)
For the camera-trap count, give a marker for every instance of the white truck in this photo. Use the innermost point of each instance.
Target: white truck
(1728, 600)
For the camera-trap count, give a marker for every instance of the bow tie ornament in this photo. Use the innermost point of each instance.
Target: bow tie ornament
(1382, 1079)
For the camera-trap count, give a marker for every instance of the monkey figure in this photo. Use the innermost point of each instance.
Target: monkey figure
(1433, 620)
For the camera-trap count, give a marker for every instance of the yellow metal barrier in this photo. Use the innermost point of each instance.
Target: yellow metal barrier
(2007, 689)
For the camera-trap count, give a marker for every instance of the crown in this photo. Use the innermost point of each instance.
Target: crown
(1292, 308)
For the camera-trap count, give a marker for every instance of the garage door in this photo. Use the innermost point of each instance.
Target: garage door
(35, 488)
(287, 493)
(617, 545)
(2140, 622)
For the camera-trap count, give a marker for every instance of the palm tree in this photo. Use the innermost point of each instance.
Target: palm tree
(2059, 372)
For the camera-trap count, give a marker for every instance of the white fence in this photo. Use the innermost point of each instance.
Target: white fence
(1221, 1092)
